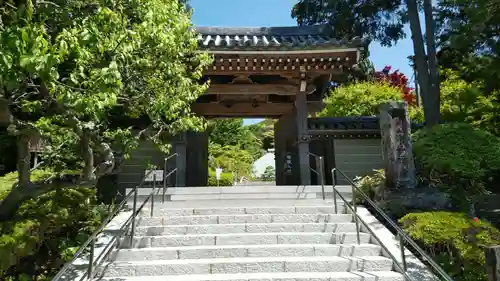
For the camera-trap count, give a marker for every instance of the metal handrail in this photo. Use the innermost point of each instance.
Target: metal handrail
(131, 221)
(320, 173)
(401, 234)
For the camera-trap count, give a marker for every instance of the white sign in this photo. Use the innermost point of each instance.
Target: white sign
(218, 172)
(150, 176)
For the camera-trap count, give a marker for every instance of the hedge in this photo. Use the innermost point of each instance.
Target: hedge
(226, 179)
(459, 159)
(454, 240)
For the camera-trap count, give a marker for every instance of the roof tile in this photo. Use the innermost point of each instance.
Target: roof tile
(272, 38)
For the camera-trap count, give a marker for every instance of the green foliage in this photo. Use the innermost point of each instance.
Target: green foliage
(381, 21)
(362, 99)
(467, 40)
(46, 230)
(467, 102)
(454, 240)
(264, 131)
(235, 147)
(231, 159)
(226, 179)
(458, 158)
(7, 181)
(372, 186)
(269, 174)
(66, 67)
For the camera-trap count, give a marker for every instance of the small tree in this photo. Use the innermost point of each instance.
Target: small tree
(362, 99)
(269, 174)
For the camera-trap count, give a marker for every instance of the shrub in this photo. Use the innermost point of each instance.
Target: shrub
(372, 186)
(454, 240)
(459, 159)
(47, 230)
(362, 99)
(226, 179)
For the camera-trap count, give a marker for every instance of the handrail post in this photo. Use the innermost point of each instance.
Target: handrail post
(334, 193)
(132, 231)
(90, 270)
(321, 174)
(153, 195)
(355, 215)
(402, 246)
(164, 180)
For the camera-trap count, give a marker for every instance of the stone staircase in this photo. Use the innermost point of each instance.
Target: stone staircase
(212, 238)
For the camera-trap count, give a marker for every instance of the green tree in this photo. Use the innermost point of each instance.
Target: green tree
(362, 99)
(269, 174)
(469, 102)
(264, 131)
(231, 158)
(75, 64)
(231, 132)
(383, 21)
(467, 37)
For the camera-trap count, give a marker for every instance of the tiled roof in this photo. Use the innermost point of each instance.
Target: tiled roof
(272, 38)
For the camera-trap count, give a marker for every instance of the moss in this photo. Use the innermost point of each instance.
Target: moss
(454, 240)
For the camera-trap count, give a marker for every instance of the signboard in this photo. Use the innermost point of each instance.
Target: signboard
(288, 163)
(150, 177)
(218, 172)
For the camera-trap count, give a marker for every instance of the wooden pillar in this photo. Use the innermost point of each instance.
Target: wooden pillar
(396, 145)
(280, 152)
(180, 149)
(302, 134)
(285, 153)
(197, 159)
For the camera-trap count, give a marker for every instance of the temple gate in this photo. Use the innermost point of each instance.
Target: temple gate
(272, 72)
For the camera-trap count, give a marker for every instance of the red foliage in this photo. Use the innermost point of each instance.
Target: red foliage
(399, 80)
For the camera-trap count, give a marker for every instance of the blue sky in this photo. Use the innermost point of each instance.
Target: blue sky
(259, 13)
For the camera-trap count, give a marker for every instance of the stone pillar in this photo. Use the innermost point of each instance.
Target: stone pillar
(396, 145)
(180, 161)
(302, 134)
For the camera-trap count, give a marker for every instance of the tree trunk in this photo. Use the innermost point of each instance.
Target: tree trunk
(23, 160)
(88, 156)
(434, 94)
(420, 59)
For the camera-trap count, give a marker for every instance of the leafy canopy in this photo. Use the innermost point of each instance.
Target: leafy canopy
(376, 20)
(362, 99)
(87, 65)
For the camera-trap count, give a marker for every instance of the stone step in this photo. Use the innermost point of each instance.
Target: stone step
(248, 265)
(245, 227)
(165, 210)
(233, 251)
(252, 218)
(242, 196)
(281, 276)
(236, 203)
(244, 189)
(245, 239)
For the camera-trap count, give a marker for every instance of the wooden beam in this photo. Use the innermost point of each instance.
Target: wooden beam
(255, 89)
(241, 109)
(271, 110)
(214, 70)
